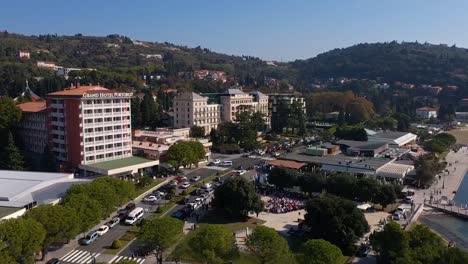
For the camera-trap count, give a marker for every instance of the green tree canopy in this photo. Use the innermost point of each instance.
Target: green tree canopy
(21, 238)
(159, 234)
(197, 132)
(425, 245)
(427, 166)
(60, 223)
(89, 211)
(185, 153)
(237, 197)
(283, 177)
(10, 114)
(319, 251)
(266, 244)
(107, 191)
(336, 220)
(213, 243)
(11, 157)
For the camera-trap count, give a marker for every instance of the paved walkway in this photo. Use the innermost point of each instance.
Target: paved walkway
(457, 164)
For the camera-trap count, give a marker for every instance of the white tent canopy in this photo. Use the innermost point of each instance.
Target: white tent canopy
(364, 207)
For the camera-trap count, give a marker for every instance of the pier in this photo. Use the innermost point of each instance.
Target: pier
(461, 212)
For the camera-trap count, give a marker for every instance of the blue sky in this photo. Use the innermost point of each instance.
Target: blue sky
(270, 29)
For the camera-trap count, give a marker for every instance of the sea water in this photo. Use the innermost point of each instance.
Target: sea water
(452, 228)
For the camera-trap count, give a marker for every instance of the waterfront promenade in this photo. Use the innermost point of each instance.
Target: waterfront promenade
(446, 188)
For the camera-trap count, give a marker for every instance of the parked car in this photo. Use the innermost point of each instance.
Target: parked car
(130, 206)
(185, 185)
(102, 230)
(113, 222)
(409, 199)
(90, 238)
(397, 216)
(54, 261)
(276, 154)
(134, 216)
(241, 172)
(226, 163)
(194, 206)
(196, 178)
(179, 214)
(173, 183)
(245, 155)
(151, 198)
(216, 161)
(159, 194)
(181, 179)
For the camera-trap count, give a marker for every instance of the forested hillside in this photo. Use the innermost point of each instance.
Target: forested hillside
(407, 62)
(120, 62)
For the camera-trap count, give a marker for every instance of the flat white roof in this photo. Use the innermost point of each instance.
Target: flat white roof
(18, 188)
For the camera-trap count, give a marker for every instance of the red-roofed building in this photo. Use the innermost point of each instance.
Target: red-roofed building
(426, 112)
(289, 164)
(89, 124)
(33, 126)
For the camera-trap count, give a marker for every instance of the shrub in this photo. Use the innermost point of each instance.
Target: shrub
(117, 244)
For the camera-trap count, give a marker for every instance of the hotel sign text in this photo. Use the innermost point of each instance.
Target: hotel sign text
(107, 95)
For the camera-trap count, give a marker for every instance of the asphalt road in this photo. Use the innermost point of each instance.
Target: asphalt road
(106, 240)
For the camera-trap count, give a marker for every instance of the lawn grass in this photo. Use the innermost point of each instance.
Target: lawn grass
(214, 217)
(183, 252)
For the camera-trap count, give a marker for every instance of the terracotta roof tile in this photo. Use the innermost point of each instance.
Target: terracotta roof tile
(290, 164)
(33, 107)
(79, 91)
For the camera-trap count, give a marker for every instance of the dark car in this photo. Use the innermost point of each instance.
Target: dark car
(179, 214)
(363, 251)
(130, 207)
(54, 261)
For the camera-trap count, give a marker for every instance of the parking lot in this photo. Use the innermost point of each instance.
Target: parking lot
(150, 208)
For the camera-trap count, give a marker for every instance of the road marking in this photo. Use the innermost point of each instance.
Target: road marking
(117, 260)
(94, 257)
(112, 260)
(66, 255)
(74, 252)
(140, 261)
(77, 256)
(87, 258)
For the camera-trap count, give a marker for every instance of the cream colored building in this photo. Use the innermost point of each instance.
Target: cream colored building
(191, 109)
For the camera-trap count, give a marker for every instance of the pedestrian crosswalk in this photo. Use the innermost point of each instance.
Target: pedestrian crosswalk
(85, 257)
(79, 257)
(117, 259)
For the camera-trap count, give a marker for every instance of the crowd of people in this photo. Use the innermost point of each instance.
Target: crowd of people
(284, 202)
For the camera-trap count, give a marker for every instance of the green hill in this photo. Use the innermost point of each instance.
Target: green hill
(120, 62)
(407, 62)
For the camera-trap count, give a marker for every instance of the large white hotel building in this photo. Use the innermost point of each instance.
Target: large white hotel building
(90, 128)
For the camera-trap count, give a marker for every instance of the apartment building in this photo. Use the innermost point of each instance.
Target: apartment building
(33, 126)
(90, 129)
(209, 110)
(278, 100)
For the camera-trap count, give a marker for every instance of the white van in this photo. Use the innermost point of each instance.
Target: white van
(134, 216)
(226, 163)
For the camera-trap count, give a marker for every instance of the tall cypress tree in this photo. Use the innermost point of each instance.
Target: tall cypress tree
(11, 156)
